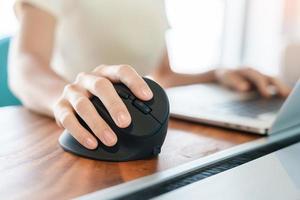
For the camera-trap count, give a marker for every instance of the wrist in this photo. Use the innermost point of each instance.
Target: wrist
(219, 74)
(213, 74)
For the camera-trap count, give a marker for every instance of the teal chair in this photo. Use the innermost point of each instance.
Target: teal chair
(6, 97)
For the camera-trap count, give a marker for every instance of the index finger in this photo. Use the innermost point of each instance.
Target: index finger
(127, 75)
(260, 81)
(283, 89)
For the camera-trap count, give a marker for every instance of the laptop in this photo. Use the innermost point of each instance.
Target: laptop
(215, 105)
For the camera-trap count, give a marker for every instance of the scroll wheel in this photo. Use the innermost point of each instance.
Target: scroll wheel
(123, 94)
(141, 106)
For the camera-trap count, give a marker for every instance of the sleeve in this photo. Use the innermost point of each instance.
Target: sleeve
(53, 7)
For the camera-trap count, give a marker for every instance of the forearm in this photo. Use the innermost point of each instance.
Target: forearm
(35, 83)
(173, 79)
(167, 78)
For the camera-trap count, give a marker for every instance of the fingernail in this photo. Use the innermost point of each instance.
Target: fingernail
(91, 143)
(109, 137)
(147, 93)
(123, 119)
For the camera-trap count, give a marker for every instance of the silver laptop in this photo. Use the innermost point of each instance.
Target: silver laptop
(216, 105)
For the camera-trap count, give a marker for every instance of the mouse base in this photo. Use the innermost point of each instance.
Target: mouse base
(118, 153)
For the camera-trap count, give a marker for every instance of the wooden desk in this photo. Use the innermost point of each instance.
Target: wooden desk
(33, 166)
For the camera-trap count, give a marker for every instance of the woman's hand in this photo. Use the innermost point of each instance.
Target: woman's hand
(246, 78)
(75, 98)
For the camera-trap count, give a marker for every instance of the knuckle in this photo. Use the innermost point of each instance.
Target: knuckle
(80, 104)
(94, 127)
(125, 69)
(65, 119)
(80, 76)
(58, 105)
(115, 105)
(97, 128)
(69, 87)
(100, 83)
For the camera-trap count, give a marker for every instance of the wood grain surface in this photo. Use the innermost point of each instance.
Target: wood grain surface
(33, 166)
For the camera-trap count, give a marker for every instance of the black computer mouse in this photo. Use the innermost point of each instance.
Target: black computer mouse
(142, 139)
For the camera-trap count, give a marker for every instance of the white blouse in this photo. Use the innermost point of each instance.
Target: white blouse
(94, 32)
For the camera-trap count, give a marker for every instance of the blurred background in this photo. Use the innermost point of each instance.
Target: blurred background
(207, 33)
(8, 22)
(261, 33)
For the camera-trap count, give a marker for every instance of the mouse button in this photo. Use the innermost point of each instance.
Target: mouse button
(159, 104)
(123, 94)
(132, 97)
(141, 106)
(141, 124)
(123, 91)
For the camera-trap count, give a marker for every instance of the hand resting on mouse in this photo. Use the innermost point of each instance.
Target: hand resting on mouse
(142, 139)
(99, 82)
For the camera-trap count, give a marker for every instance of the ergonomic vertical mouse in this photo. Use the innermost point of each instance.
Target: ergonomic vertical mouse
(143, 138)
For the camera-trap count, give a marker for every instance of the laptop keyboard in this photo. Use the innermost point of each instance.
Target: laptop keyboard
(248, 108)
